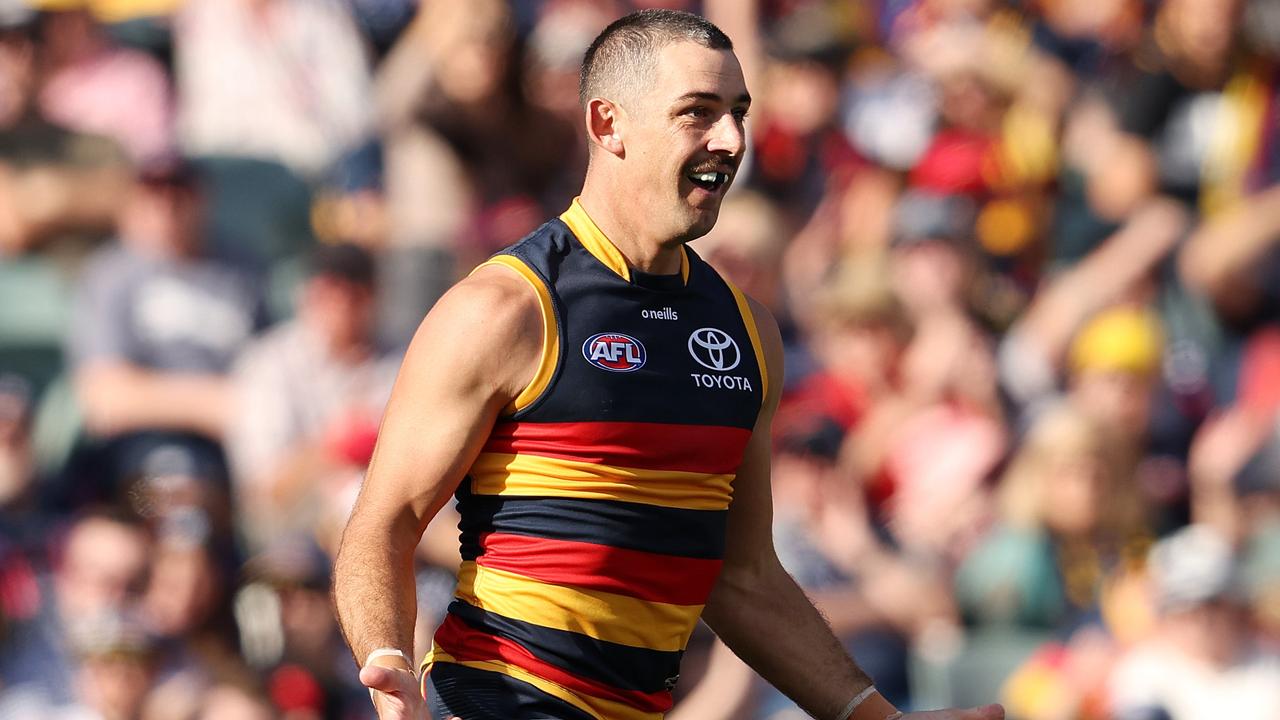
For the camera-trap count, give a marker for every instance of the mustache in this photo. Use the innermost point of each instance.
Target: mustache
(713, 165)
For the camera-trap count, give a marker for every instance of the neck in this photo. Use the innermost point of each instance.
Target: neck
(645, 250)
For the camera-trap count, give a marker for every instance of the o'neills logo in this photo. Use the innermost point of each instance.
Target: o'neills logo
(665, 313)
(614, 352)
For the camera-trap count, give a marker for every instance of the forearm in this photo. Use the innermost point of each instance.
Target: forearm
(765, 618)
(120, 398)
(373, 585)
(1102, 277)
(1221, 249)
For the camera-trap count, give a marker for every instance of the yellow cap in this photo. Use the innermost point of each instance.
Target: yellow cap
(1120, 338)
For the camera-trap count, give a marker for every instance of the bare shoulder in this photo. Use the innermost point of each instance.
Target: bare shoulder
(487, 329)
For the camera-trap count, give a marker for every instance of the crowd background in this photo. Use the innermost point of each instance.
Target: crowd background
(1025, 254)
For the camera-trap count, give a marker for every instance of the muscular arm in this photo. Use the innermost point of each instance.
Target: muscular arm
(800, 656)
(760, 612)
(474, 352)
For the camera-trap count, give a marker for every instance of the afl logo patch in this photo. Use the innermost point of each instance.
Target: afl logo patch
(714, 349)
(614, 352)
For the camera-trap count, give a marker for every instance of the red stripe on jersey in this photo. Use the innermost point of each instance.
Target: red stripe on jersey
(710, 449)
(647, 576)
(466, 643)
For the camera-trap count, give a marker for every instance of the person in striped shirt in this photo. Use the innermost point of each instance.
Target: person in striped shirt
(598, 399)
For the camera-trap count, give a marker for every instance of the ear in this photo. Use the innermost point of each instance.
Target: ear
(604, 126)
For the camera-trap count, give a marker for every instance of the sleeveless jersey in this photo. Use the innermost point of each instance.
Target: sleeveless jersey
(593, 520)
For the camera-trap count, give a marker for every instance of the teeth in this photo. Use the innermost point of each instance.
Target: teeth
(710, 177)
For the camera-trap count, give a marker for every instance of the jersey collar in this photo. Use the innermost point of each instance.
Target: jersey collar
(596, 243)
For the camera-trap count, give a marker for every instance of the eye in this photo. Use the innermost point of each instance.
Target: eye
(740, 114)
(698, 111)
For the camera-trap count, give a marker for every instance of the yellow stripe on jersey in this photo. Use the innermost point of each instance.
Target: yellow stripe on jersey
(535, 475)
(596, 707)
(594, 240)
(550, 333)
(601, 615)
(599, 245)
(553, 689)
(749, 319)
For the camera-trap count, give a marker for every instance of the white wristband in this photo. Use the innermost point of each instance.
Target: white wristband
(387, 652)
(855, 702)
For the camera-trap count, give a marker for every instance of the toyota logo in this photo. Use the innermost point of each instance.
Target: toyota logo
(714, 349)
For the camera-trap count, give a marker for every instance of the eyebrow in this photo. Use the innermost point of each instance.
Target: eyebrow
(744, 98)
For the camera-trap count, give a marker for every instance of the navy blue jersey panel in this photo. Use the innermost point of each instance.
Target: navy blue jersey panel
(649, 349)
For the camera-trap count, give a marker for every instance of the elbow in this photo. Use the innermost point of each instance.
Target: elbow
(99, 408)
(741, 581)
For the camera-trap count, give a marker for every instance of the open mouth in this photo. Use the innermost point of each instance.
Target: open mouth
(709, 181)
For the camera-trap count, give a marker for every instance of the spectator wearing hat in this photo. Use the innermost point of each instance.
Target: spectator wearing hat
(115, 668)
(1200, 660)
(1114, 365)
(293, 640)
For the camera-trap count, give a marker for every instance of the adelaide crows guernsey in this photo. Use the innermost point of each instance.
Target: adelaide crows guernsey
(593, 520)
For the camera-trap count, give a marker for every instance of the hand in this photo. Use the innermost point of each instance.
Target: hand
(396, 693)
(1221, 447)
(986, 712)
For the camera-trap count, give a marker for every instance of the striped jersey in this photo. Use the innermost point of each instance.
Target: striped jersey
(593, 520)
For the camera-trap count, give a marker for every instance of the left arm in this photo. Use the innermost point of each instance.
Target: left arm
(756, 608)
(760, 612)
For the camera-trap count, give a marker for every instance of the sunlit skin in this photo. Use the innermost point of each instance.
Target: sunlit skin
(690, 118)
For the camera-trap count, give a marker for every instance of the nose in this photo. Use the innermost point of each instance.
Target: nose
(727, 136)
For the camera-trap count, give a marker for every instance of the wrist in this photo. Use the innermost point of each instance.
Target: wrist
(389, 657)
(869, 705)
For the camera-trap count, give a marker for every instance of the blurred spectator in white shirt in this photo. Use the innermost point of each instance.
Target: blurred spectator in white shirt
(1201, 661)
(308, 397)
(284, 80)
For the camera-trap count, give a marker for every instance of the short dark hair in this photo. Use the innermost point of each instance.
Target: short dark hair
(627, 47)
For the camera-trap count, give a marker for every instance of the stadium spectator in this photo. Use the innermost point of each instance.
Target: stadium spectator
(156, 328)
(97, 581)
(1087, 191)
(304, 673)
(1070, 519)
(53, 180)
(95, 87)
(1200, 660)
(115, 669)
(307, 398)
(299, 64)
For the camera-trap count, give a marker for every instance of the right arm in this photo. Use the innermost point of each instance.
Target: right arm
(472, 355)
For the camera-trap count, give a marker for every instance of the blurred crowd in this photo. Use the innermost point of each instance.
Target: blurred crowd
(1025, 254)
